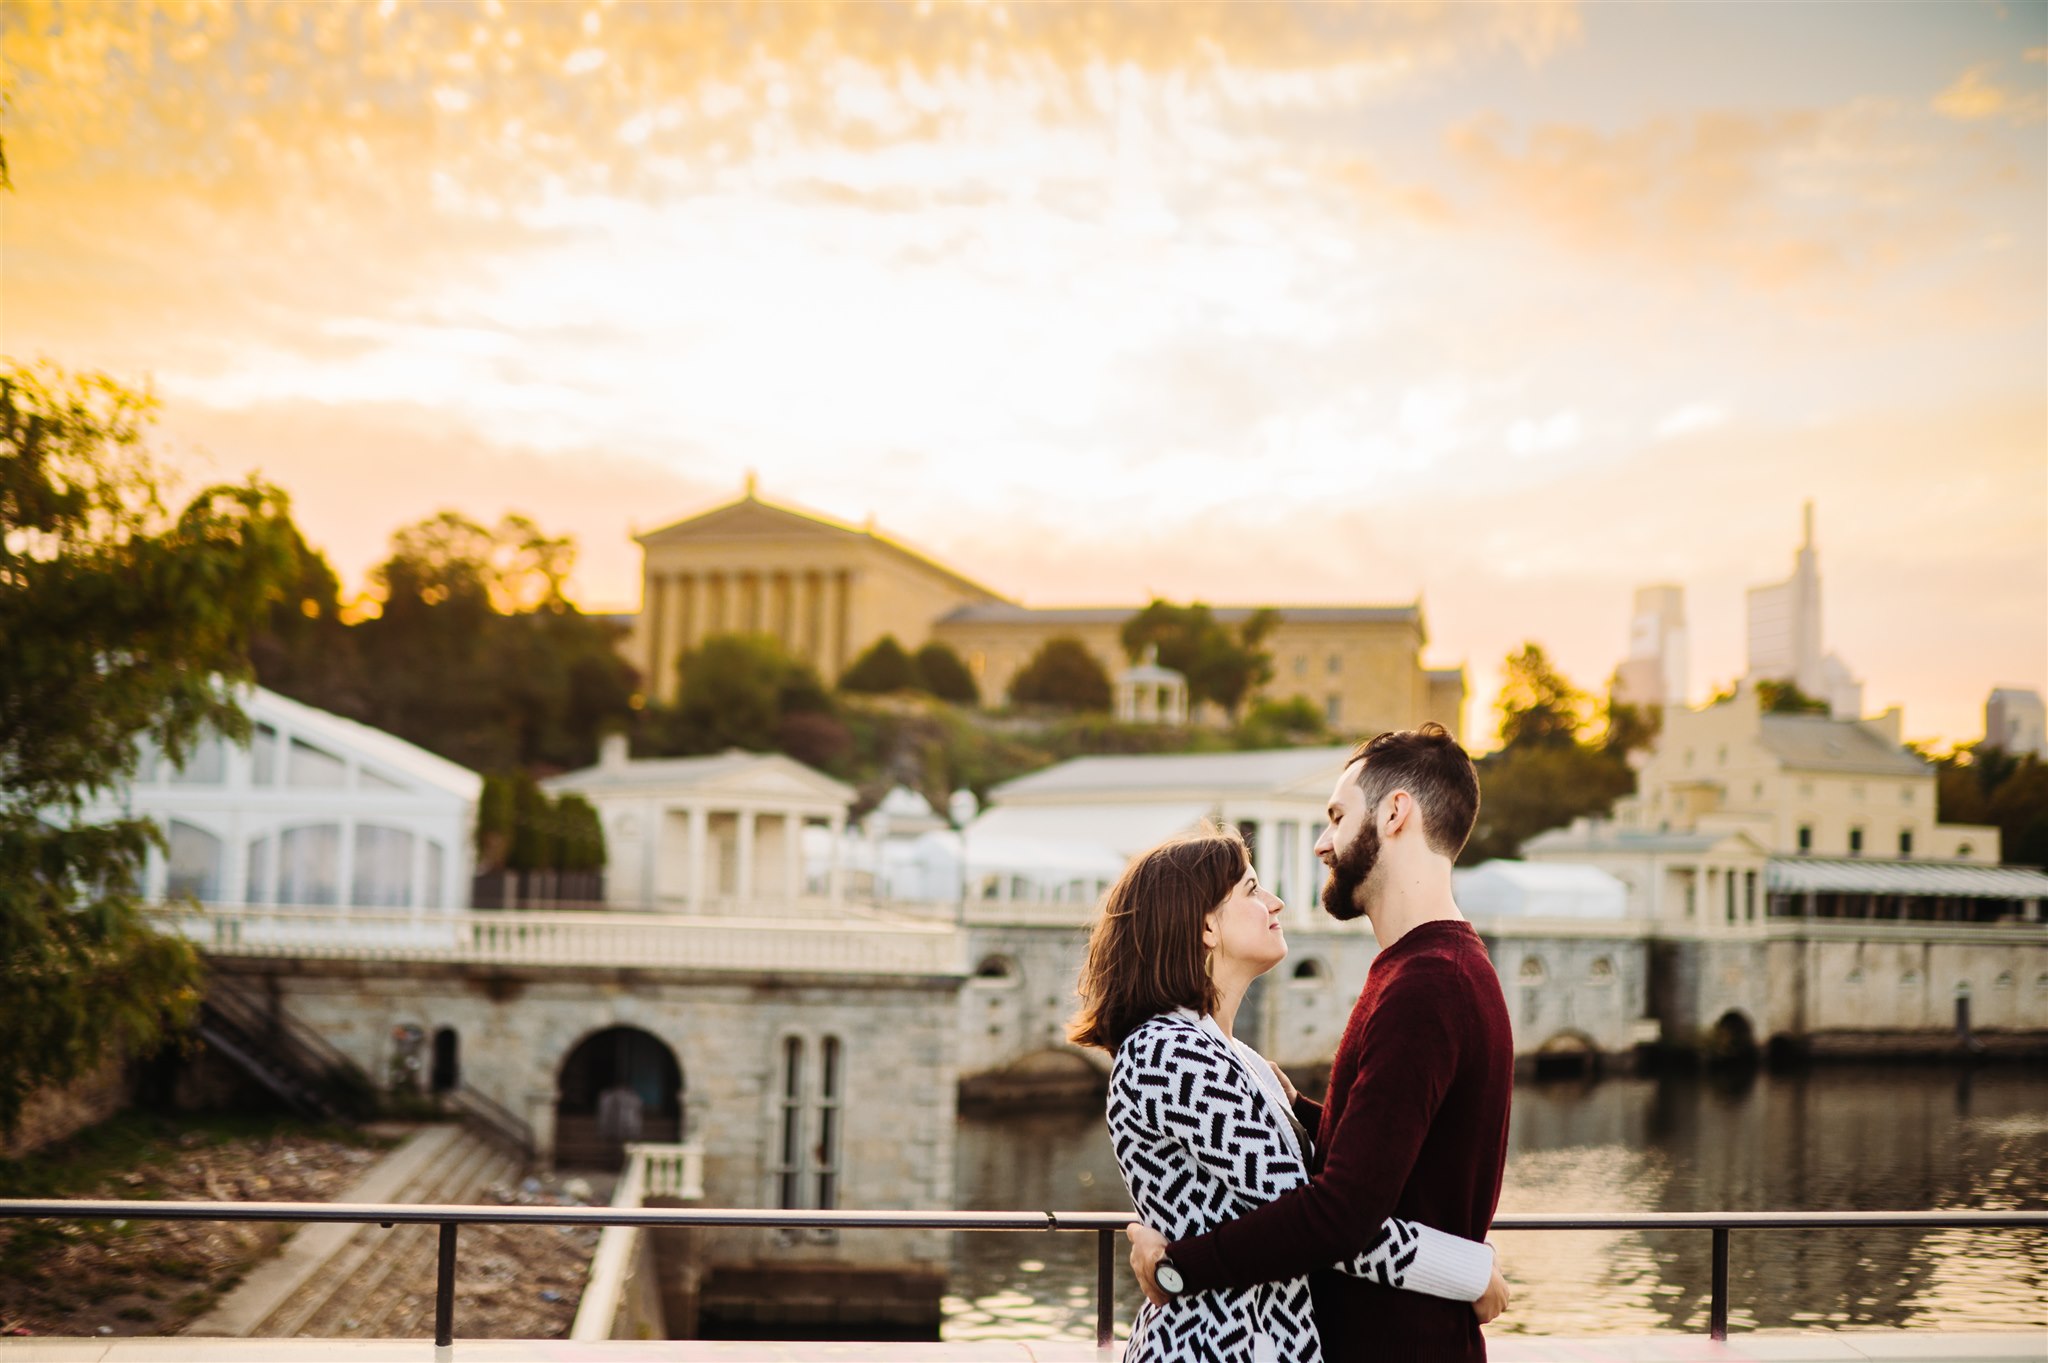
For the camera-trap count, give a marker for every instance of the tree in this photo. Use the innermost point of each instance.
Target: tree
(882, 669)
(1537, 706)
(117, 622)
(1062, 674)
(1282, 723)
(1221, 666)
(1979, 784)
(1544, 775)
(476, 652)
(737, 691)
(942, 673)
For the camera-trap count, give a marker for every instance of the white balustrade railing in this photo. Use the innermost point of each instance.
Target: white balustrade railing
(652, 1170)
(518, 938)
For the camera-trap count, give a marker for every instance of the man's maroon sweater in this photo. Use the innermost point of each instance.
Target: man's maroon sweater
(1415, 1126)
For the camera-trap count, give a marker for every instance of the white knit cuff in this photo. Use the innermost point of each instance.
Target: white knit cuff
(1449, 1265)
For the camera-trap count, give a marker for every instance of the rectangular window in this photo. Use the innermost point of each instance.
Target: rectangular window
(1333, 710)
(205, 765)
(310, 767)
(828, 1124)
(309, 865)
(1855, 842)
(1905, 842)
(263, 756)
(1806, 837)
(383, 869)
(790, 1153)
(1749, 894)
(1336, 663)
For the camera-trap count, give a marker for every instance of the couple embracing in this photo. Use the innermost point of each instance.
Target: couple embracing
(1275, 1229)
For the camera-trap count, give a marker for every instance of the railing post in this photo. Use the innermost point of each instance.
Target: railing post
(1717, 1308)
(444, 1297)
(1105, 1288)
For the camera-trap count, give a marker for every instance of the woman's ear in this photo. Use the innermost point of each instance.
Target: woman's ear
(1210, 937)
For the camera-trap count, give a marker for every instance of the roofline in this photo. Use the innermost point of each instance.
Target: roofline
(873, 536)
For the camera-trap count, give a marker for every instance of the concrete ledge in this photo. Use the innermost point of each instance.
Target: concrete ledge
(1795, 1346)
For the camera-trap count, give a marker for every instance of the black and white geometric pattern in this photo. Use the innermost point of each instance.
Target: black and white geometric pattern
(1199, 1144)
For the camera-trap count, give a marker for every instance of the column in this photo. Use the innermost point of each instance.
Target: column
(792, 855)
(842, 619)
(782, 609)
(700, 838)
(540, 1119)
(651, 624)
(691, 589)
(813, 614)
(835, 882)
(653, 827)
(744, 888)
(676, 630)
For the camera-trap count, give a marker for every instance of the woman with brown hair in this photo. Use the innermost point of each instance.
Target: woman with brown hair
(1204, 1127)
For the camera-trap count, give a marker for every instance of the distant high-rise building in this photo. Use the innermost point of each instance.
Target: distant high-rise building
(1785, 636)
(1655, 672)
(2016, 721)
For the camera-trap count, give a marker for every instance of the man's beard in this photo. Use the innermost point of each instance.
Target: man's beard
(1348, 875)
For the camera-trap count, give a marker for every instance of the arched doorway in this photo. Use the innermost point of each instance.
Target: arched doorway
(618, 1085)
(1732, 1041)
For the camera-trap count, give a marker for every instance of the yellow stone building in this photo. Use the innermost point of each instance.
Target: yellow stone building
(827, 591)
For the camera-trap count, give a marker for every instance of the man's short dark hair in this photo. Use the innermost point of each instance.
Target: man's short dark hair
(1437, 774)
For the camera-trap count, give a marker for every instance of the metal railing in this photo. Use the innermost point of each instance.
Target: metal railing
(1106, 1227)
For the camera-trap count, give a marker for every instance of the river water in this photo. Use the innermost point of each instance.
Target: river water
(1871, 1139)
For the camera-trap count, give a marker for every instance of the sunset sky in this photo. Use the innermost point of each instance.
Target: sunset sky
(1511, 308)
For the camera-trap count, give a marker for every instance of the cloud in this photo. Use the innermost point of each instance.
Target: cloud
(1975, 97)
(1690, 419)
(1529, 437)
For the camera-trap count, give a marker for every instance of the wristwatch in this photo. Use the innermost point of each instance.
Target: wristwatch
(1169, 1279)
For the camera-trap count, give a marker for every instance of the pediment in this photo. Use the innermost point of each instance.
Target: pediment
(778, 778)
(749, 519)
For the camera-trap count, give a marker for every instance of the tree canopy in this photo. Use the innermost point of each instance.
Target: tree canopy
(942, 673)
(1221, 665)
(1064, 675)
(744, 691)
(118, 621)
(1550, 768)
(474, 652)
(1977, 783)
(883, 668)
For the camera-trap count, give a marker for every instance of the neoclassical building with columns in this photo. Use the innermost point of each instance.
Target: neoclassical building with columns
(827, 591)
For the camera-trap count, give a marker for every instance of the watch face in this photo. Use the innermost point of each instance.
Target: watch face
(1169, 1278)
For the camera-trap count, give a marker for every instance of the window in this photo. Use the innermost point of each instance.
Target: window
(1856, 790)
(383, 871)
(1336, 663)
(827, 1152)
(1310, 971)
(1333, 710)
(1905, 842)
(1688, 757)
(1601, 971)
(370, 780)
(205, 765)
(1855, 842)
(997, 968)
(312, 767)
(195, 863)
(804, 1167)
(789, 1151)
(263, 756)
(1531, 971)
(1805, 838)
(432, 893)
(1301, 664)
(1721, 757)
(309, 864)
(256, 889)
(1905, 795)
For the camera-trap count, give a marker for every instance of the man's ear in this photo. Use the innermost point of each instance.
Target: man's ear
(1400, 812)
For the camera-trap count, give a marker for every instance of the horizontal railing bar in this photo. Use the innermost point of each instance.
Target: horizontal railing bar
(481, 1215)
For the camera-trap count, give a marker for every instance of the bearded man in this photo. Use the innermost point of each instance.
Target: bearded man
(1416, 1121)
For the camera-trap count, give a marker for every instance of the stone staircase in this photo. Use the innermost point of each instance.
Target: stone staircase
(337, 1281)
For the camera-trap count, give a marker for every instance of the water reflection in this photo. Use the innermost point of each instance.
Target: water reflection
(1848, 1139)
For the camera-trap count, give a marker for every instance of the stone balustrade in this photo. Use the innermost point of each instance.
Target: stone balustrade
(581, 940)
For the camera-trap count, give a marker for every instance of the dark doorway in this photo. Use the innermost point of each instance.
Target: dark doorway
(618, 1085)
(446, 1074)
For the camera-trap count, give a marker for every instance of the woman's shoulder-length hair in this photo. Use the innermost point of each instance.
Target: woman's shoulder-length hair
(1145, 955)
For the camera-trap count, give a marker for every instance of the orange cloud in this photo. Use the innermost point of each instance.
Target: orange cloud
(1782, 200)
(1975, 96)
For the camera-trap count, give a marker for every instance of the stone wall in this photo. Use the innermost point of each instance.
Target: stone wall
(517, 1028)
